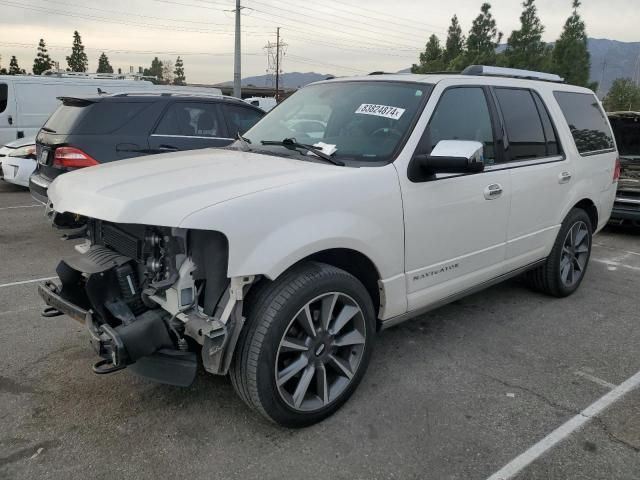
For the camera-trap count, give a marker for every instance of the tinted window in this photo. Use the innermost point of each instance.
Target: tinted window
(553, 147)
(586, 121)
(4, 93)
(463, 114)
(191, 120)
(240, 119)
(93, 118)
(626, 128)
(523, 124)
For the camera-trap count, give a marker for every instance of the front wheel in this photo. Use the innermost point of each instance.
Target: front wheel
(566, 265)
(306, 346)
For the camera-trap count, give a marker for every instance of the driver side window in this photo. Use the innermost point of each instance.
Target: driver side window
(463, 114)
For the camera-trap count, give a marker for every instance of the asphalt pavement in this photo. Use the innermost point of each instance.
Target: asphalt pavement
(458, 393)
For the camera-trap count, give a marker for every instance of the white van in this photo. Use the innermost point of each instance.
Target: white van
(26, 101)
(265, 103)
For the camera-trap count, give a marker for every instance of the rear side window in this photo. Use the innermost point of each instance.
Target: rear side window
(83, 118)
(553, 146)
(463, 114)
(4, 96)
(240, 119)
(191, 120)
(587, 122)
(524, 126)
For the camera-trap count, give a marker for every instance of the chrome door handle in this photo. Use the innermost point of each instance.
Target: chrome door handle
(493, 191)
(564, 177)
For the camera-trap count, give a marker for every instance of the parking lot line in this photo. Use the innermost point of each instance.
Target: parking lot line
(20, 206)
(612, 263)
(519, 463)
(23, 282)
(594, 379)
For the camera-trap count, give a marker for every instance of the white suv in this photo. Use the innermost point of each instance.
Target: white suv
(277, 259)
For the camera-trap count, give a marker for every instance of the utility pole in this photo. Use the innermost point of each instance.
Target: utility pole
(275, 52)
(237, 76)
(277, 64)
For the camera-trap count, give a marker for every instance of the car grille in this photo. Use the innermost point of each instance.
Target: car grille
(122, 242)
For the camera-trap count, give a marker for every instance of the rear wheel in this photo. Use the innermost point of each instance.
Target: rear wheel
(306, 346)
(566, 265)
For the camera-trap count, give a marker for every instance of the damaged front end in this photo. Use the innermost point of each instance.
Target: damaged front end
(152, 298)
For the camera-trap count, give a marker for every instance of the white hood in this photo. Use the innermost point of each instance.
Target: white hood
(164, 189)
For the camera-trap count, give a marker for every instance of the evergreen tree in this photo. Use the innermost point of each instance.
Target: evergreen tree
(14, 68)
(525, 47)
(103, 64)
(483, 39)
(178, 73)
(623, 95)
(43, 61)
(155, 70)
(431, 58)
(77, 61)
(454, 46)
(167, 72)
(570, 54)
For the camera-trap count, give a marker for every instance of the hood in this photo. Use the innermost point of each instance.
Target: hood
(164, 189)
(629, 174)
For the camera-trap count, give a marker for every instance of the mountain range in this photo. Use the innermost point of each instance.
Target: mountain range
(610, 59)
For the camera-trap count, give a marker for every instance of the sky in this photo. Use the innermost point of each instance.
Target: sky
(339, 37)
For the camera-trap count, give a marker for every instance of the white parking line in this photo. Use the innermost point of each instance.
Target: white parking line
(612, 263)
(26, 281)
(594, 379)
(20, 206)
(516, 465)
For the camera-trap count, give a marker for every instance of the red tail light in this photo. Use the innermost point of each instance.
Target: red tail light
(616, 170)
(70, 157)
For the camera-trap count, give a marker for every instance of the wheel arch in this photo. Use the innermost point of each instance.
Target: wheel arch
(590, 208)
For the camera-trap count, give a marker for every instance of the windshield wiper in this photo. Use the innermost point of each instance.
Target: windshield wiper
(47, 129)
(292, 144)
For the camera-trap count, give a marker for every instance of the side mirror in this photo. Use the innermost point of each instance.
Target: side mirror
(453, 156)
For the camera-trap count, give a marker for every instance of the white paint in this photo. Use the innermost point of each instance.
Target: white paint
(594, 379)
(20, 206)
(519, 463)
(23, 282)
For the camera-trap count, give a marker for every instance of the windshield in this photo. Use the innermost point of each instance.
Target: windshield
(361, 121)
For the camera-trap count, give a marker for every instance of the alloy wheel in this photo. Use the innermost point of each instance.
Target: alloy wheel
(575, 254)
(320, 352)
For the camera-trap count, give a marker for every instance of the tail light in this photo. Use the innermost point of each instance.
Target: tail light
(616, 170)
(70, 157)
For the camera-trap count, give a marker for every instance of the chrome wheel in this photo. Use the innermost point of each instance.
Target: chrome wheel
(575, 254)
(320, 352)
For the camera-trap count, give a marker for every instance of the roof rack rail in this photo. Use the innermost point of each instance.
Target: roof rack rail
(167, 93)
(490, 71)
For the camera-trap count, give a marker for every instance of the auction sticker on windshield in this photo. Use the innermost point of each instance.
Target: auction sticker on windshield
(380, 111)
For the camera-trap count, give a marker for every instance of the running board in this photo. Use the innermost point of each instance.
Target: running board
(393, 321)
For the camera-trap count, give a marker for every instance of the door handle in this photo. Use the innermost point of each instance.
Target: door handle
(564, 177)
(493, 191)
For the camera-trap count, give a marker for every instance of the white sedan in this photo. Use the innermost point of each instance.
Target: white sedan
(18, 161)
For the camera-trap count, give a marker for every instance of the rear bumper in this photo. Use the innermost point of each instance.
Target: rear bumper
(626, 209)
(39, 186)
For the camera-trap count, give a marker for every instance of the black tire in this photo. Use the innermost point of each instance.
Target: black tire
(548, 278)
(271, 309)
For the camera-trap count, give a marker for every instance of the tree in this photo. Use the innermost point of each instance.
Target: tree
(155, 70)
(454, 46)
(178, 73)
(167, 72)
(43, 61)
(623, 95)
(431, 58)
(103, 64)
(77, 61)
(483, 39)
(570, 54)
(14, 68)
(525, 48)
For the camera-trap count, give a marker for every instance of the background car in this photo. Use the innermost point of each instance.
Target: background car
(86, 131)
(18, 161)
(626, 128)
